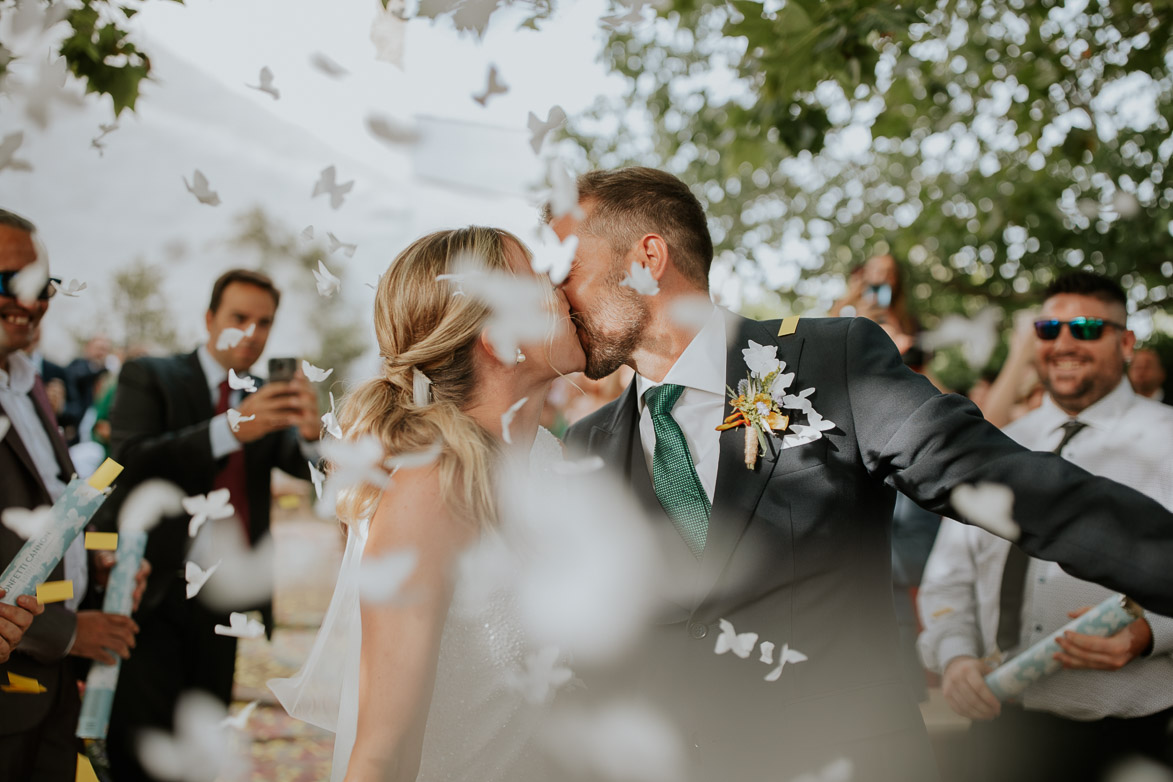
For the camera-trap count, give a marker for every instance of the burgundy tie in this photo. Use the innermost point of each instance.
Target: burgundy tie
(234, 476)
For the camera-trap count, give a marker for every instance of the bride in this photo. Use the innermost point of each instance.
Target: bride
(417, 688)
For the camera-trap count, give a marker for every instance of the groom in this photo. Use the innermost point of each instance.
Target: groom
(796, 548)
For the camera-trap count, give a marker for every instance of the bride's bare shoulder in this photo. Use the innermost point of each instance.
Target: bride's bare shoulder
(413, 511)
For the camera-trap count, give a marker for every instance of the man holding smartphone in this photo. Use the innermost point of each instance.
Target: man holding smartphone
(172, 419)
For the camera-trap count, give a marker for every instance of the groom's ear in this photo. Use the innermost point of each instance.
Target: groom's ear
(654, 252)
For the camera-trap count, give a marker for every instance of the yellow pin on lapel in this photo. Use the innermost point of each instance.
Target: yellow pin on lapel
(789, 325)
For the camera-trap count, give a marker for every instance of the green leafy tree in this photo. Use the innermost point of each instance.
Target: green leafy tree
(98, 48)
(987, 143)
(142, 316)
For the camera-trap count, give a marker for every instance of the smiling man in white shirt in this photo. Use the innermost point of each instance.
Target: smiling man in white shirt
(981, 596)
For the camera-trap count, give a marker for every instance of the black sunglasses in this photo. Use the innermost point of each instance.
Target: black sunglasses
(48, 292)
(1081, 328)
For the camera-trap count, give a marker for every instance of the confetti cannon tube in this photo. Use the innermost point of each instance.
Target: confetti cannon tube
(1011, 678)
(72, 511)
(103, 679)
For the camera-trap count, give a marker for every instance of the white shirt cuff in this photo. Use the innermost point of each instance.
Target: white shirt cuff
(224, 441)
(946, 649)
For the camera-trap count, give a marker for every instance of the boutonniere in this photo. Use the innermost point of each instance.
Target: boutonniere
(759, 402)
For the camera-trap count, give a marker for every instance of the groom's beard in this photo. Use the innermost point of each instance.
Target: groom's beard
(607, 350)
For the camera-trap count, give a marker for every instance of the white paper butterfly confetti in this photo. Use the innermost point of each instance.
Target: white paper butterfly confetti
(240, 720)
(741, 644)
(518, 305)
(415, 459)
(337, 244)
(72, 289)
(8, 146)
(148, 504)
(197, 577)
(315, 374)
(215, 504)
(494, 87)
(328, 284)
(241, 626)
(538, 129)
(238, 383)
(199, 188)
(553, 257)
(266, 85)
(640, 280)
(317, 477)
(231, 337)
(507, 419)
(330, 421)
(326, 185)
(989, 506)
(387, 33)
(355, 461)
(197, 751)
(380, 578)
(691, 311)
(235, 419)
(307, 233)
(787, 655)
(542, 675)
(767, 648)
(563, 192)
(28, 524)
(328, 66)
(390, 131)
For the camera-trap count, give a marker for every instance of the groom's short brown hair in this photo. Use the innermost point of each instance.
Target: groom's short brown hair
(629, 203)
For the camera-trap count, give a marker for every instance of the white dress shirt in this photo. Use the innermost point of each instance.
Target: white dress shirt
(1129, 439)
(700, 409)
(16, 383)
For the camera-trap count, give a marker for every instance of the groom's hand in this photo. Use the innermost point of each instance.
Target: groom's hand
(964, 686)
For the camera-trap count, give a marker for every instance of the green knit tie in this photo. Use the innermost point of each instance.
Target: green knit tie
(673, 474)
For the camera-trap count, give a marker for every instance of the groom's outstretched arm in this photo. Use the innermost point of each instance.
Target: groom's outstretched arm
(925, 443)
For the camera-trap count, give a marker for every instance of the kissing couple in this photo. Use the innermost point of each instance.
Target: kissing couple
(788, 544)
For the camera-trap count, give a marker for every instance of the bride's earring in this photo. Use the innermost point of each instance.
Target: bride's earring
(520, 357)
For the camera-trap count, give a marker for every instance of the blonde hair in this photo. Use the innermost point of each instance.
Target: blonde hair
(421, 324)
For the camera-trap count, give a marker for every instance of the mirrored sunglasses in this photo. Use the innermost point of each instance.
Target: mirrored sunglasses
(1081, 328)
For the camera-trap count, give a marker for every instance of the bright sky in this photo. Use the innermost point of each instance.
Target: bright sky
(98, 212)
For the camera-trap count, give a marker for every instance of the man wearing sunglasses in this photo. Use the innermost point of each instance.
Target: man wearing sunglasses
(982, 598)
(37, 729)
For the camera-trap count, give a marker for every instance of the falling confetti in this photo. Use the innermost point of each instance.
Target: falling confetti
(315, 374)
(28, 524)
(493, 87)
(328, 66)
(241, 626)
(235, 419)
(8, 146)
(639, 279)
(215, 504)
(327, 283)
(381, 578)
(507, 419)
(231, 337)
(266, 85)
(741, 644)
(238, 383)
(72, 289)
(989, 506)
(199, 188)
(327, 185)
(787, 655)
(196, 577)
(539, 128)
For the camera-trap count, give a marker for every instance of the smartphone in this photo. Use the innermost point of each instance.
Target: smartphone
(282, 370)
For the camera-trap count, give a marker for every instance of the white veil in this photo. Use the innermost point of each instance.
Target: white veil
(325, 691)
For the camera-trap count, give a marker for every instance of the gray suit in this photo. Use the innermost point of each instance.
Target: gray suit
(799, 551)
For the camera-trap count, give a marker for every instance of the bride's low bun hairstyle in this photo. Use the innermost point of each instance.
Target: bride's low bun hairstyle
(422, 324)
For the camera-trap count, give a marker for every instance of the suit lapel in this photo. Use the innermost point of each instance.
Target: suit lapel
(197, 390)
(738, 489)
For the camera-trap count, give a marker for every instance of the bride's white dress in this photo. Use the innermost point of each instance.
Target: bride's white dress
(480, 726)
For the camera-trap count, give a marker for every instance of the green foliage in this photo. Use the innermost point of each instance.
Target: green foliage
(980, 141)
(98, 49)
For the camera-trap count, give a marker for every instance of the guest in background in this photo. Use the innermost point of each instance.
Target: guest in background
(981, 595)
(1147, 375)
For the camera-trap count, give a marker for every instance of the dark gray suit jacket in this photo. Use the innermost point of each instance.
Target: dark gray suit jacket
(41, 654)
(798, 551)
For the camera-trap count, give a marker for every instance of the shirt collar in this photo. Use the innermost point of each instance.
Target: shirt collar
(1100, 415)
(21, 375)
(214, 373)
(702, 364)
